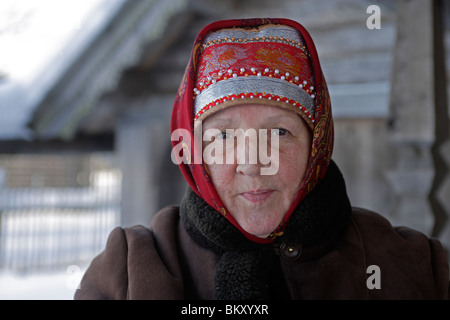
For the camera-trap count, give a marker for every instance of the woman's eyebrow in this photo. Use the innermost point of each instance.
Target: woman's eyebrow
(218, 122)
(280, 118)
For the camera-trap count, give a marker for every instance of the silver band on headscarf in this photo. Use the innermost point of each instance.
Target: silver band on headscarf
(254, 84)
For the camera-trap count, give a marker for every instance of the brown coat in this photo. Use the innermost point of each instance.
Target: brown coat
(165, 263)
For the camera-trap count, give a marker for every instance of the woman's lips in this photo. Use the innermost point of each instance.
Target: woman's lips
(256, 196)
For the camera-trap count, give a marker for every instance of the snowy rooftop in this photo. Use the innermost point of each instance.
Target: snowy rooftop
(34, 38)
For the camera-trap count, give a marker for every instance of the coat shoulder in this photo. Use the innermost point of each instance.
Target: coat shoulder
(405, 254)
(373, 224)
(106, 278)
(135, 262)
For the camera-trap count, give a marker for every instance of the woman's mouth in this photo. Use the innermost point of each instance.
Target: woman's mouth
(256, 196)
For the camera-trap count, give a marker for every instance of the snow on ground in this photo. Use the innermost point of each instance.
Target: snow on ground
(57, 285)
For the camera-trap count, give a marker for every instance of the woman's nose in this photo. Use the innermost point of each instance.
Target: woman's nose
(247, 157)
(249, 169)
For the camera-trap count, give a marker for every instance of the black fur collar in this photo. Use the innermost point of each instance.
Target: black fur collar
(243, 270)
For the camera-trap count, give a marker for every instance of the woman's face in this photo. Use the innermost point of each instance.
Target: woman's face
(258, 202)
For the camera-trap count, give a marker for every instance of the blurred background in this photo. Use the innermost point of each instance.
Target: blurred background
(86, 92)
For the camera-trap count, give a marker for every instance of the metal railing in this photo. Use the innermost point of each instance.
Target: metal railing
(44, 228)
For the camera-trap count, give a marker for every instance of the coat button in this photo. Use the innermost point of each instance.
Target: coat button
(290, 252)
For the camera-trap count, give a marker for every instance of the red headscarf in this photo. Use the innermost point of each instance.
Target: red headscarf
(196, 173)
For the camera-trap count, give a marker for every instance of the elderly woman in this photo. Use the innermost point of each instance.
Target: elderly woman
(282, 228)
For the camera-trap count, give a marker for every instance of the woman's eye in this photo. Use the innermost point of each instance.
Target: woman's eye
(223, 135)
(280, 132)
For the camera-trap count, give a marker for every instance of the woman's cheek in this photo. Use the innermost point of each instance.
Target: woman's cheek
(293, 164)
(221, 174)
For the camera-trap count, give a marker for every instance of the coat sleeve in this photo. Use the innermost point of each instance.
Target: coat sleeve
(107, 276)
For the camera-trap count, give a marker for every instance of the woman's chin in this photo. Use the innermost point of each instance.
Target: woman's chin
(258, 229)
